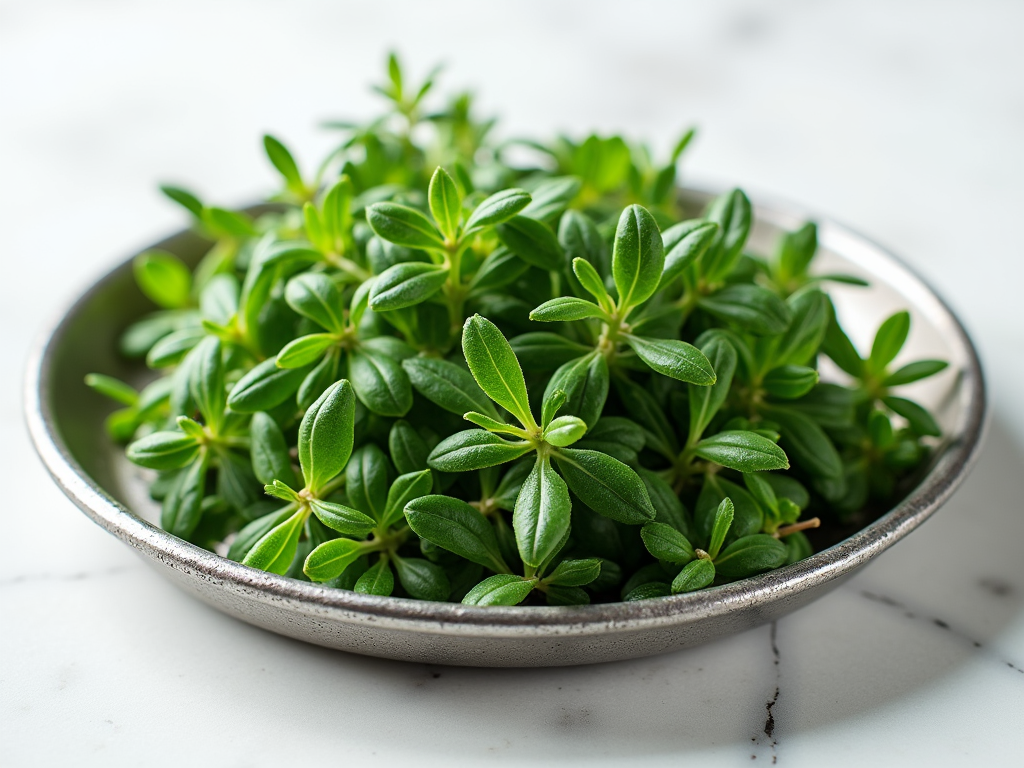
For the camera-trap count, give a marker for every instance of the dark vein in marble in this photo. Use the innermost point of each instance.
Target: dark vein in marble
(769, 722)
(35, 578)
(934, 621)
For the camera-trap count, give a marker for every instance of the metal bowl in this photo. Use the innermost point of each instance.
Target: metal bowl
(65, 420)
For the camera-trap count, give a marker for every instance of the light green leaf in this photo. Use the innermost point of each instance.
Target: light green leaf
(495, 368)
(638, 256)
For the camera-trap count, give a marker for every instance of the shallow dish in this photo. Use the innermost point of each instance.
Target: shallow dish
(65, 420)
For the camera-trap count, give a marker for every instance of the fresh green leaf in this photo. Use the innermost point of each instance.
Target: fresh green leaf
(742, 451)
(606, 485)
(674, 358)
(330, 559)
(565, 309)
(695, 575)
(164, 278)
(532, 241)
(474, 449)
(405, 285)
(638, 256)
(498, 208)
(326, 435)
(448, 385)
(541, 517)
(445, 203)
(666, 543)
(495, 367)
(500, 589)
(454, 525)
(402, 225)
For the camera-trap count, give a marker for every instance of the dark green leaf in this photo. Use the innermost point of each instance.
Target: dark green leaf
(448, 385)
(695, 575)
(810, 310)
(380, 381)
(405, 285)
(705, 401)
(721, 525)
(164, 450)
(541, 517)
(638, 256)
(575, 573)
(551, 197)
(749, 307)
(499, 207)
(559, 595)
(474, 449)
(742, 451)
(402, 225)
(378, 579)
(750, 555)
(674, 358)
(566, 308)
(645, 410)
(796, 249)
(606, 485)
(684, 243)
(807, 443)
(422, 579)
(500, 589)
(270, 458)
(580, 239)
(919, 419)
(314, 295)
(265, 387)
(445, 203)
(837, 345)
(182, 507)
(366, 480)
(732, 212)
(344, 520)
(532, 241)
(408, 450)
(256, 530)
(915, 371)
(666, 543)
(648, 591)
(585, 383)
(495, 367)
(544, 351)
(889, 340)
(790, 381)
(326, 435)
(406, 487)
(454, 525)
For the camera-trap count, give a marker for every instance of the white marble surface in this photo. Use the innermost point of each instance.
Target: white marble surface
(903, 119)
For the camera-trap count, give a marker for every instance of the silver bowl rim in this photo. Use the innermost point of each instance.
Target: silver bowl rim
(933, 490)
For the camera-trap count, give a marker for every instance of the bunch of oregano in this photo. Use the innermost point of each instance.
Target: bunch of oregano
(431, 370)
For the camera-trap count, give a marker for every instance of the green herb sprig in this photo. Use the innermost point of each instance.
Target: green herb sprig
(647, 416)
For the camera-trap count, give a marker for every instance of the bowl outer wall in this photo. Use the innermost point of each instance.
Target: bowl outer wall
(447, 633)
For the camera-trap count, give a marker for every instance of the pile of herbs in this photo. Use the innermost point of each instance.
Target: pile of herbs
(428, 370)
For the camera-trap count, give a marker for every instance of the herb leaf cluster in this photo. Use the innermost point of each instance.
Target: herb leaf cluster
(434, 369)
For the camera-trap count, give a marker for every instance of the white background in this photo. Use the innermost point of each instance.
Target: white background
(902, 119)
